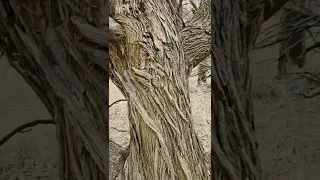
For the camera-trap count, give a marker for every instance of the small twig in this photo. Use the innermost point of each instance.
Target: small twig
(24, 131)
(117, 102)
(20, 128)
(273, 60)
(312, 47)
(311, 35)
(311, 95)
(316, 78)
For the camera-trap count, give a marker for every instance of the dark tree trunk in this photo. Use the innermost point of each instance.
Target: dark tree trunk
(235, 27)
(43, 43)
(291, 50)
(234, 149)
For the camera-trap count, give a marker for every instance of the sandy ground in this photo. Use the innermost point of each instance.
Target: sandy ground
(30, 155)
(288, 126)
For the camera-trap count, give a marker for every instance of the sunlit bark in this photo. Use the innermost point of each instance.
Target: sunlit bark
(151, 68)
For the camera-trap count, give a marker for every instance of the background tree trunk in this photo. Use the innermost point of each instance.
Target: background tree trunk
(291, 49)
(235, 26)
(204, 66)
(151, 68)
(234, 149)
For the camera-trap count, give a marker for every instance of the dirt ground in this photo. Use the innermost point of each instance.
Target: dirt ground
(288, 126)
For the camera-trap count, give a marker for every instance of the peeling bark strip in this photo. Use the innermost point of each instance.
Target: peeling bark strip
(151, 69)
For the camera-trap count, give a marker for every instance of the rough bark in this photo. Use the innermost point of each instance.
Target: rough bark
(151, 69)
(235, 26)
(42, 43)
(196, 35)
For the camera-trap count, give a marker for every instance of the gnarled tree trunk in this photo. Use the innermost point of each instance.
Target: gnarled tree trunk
(150, 66)
(43, 43)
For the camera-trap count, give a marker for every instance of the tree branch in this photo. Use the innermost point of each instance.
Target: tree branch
(20, 128)
(312, 47)
(115, 30)
(272, 7)
(99, 35)
(196, 35)
(293, 23)
(312, 94)
(117, 102)
(308, 75)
